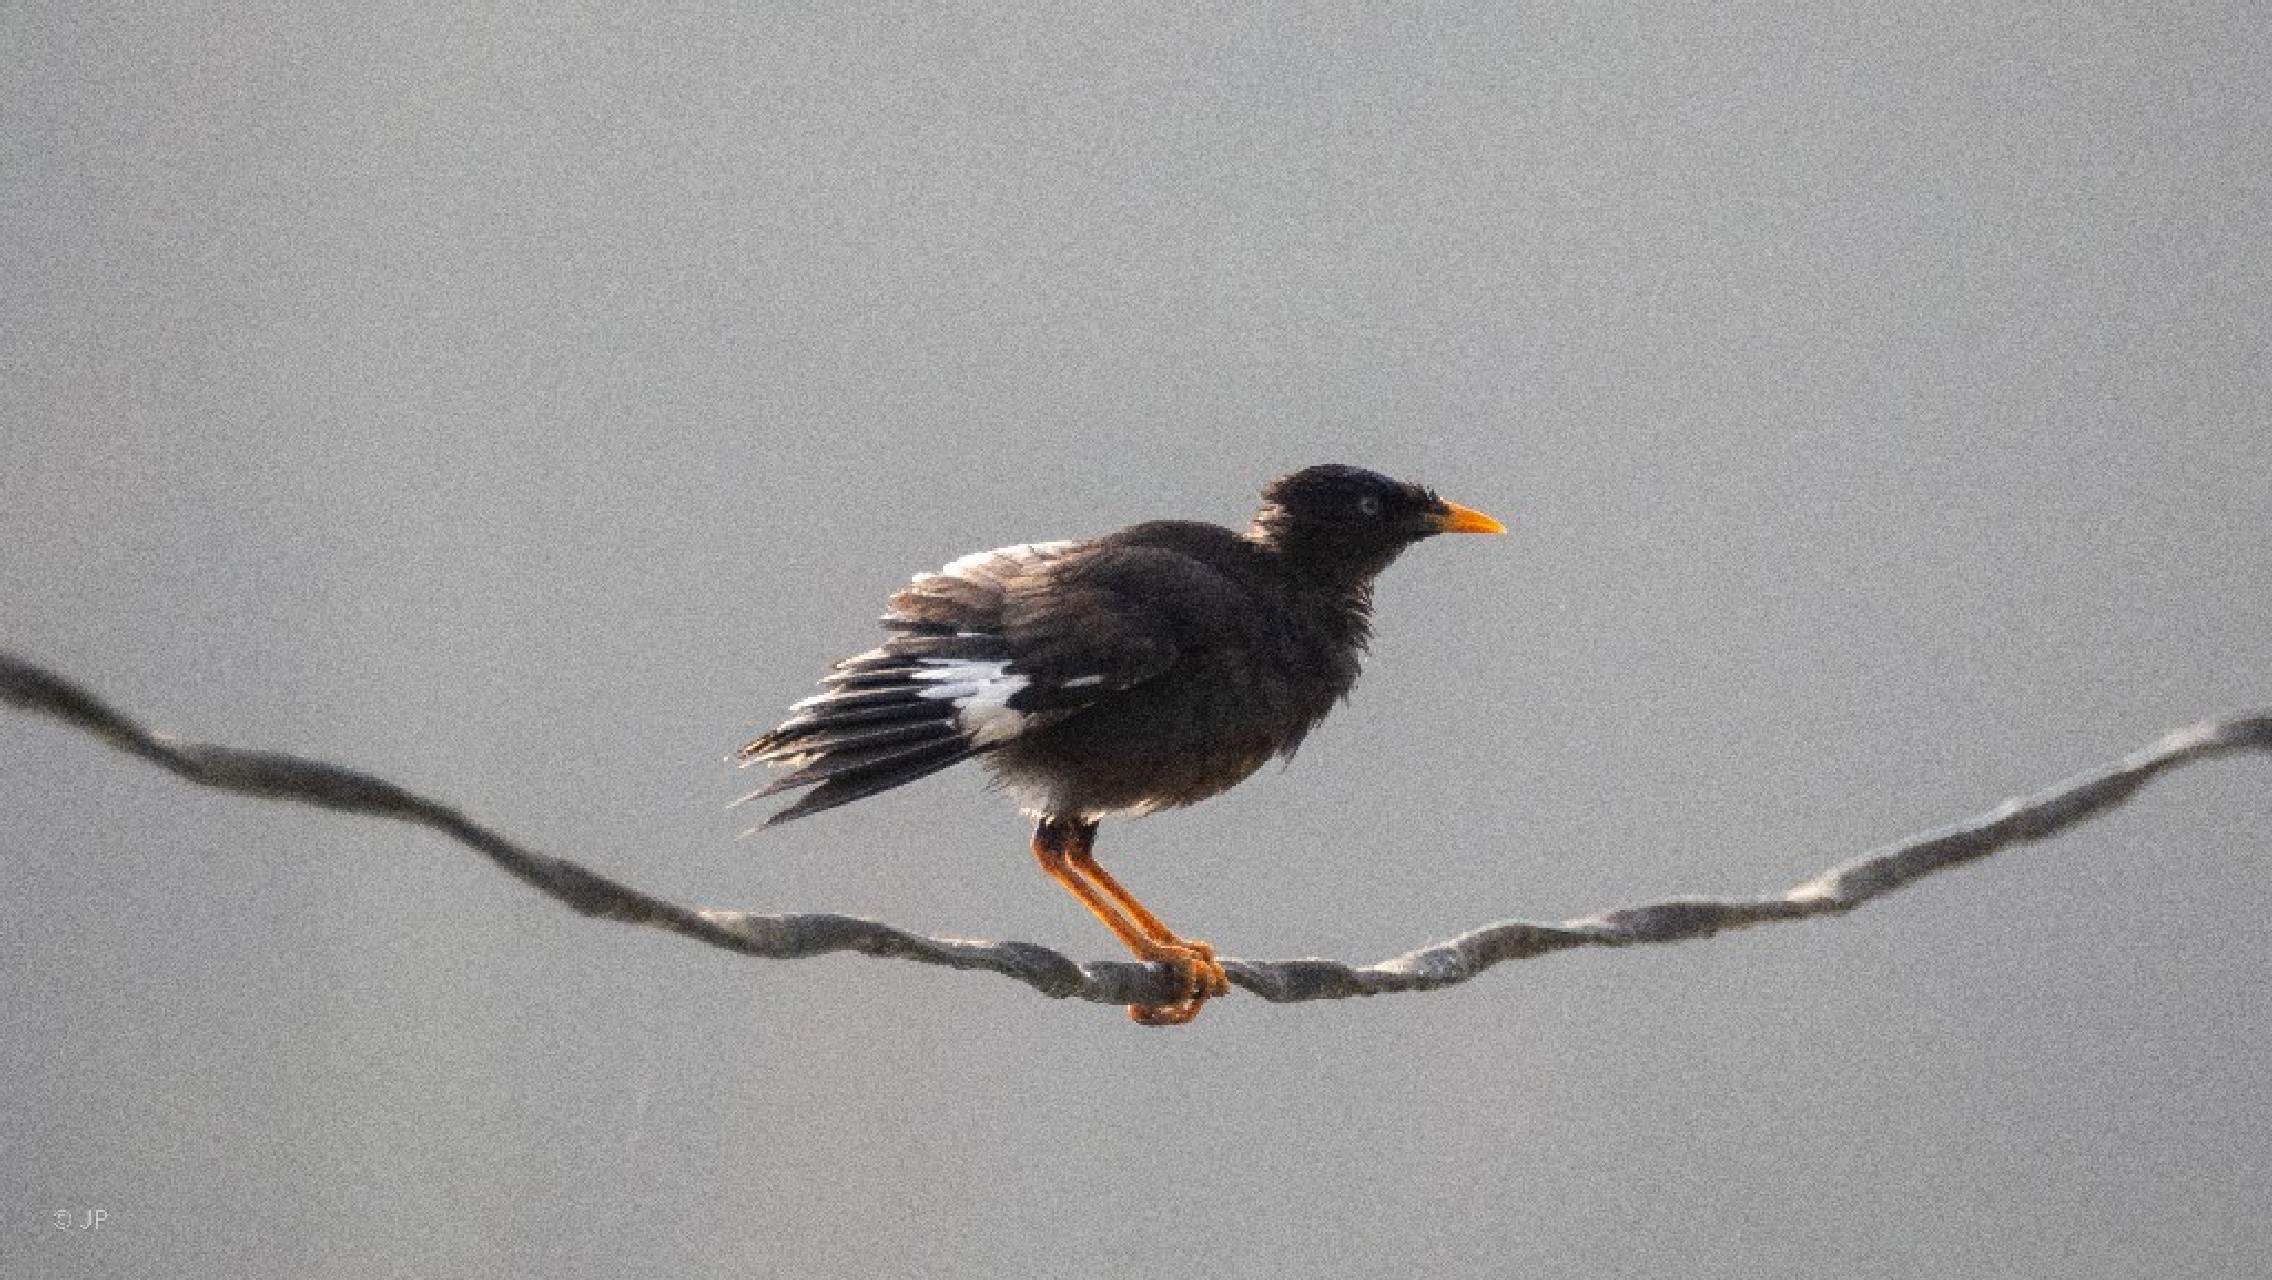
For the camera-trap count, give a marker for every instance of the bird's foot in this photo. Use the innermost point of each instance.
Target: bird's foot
(1199, 978)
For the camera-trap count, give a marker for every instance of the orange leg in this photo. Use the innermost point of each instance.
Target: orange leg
(1215, 983)
(1063, 847)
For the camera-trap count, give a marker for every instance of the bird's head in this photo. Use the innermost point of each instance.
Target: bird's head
(1348, 516)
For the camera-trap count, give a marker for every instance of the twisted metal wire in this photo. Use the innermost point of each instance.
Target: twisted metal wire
(279, 776)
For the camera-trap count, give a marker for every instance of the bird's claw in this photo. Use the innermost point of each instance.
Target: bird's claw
(1199, 978)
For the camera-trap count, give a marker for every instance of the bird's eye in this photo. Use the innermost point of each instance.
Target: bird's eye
(1369, 507)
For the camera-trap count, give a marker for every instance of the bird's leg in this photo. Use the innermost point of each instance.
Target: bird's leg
(1053, 843)
(1063, 847)
(1213, 981)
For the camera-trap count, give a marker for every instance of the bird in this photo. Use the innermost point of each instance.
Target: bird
(1142, 670)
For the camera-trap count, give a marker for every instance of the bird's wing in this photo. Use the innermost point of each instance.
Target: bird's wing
(1113, 618)
(991, 646)
(949, 683)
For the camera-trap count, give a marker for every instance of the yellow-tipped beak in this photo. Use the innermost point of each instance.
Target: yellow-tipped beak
(1459, 519)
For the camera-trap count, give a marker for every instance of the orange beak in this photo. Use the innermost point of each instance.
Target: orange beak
(1459, 519)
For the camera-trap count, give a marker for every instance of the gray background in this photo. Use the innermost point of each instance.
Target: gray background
(525, 403)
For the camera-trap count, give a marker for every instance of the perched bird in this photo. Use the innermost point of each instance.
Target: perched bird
(1142, 670)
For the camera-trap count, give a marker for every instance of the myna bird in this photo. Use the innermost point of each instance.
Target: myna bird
(1142, 670)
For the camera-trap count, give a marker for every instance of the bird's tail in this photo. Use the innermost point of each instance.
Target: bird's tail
(884, 718)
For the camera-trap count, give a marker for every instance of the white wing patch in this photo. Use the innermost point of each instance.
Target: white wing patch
(981, 693)
(980, 689)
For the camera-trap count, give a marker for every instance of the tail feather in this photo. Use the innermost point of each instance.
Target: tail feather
(862, 781)
(825, 744)
(901, 705)
(936, 692)
(884, 719)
